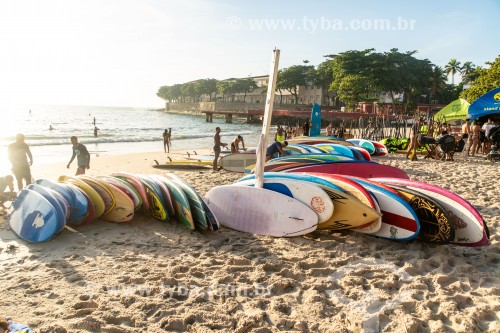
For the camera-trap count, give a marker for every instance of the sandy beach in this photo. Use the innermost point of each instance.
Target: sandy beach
(146, 276)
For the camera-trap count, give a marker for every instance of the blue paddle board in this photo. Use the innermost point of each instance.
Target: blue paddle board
(59, 188)
(45, 192)
(33, 218)
(315, 120)
(79, 205)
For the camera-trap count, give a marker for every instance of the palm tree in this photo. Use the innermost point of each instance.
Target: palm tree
(452, 67)
(467, 69)
(438, 82)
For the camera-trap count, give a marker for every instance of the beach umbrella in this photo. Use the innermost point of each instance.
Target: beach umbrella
(487, 104)
(456, 110)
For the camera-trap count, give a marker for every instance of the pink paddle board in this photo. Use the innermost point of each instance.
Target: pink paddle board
(470, 228)
(137, 184)
(358, 169)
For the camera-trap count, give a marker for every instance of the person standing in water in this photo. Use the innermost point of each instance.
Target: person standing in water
(95, 131)
(82, 155)
(217, 145)
(166, 140)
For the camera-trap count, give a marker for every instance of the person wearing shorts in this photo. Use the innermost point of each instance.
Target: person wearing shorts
(217, 145)
(82, 156)
(19, 153)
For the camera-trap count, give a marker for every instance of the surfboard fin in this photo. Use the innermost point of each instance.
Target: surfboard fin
(156, 162)
(169, 159)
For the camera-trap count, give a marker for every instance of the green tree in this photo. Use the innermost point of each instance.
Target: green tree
(352, 76)
(467, 71)
(452, 67)
(487, 79)
(189, 90)
(352, 90)
(293, 77)
(223, 89)
(244, 86)
(206, 87)
(164, 93)
(323, 78)
(437, 82)
(175, 92)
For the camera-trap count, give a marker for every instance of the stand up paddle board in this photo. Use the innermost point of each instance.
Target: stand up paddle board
(240, 208)
(33, 218)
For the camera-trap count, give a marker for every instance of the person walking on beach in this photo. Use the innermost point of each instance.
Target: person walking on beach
(217, 145)
(414, 142)
(82, 155)
(275, 147)
(19, 152)
(235, 145)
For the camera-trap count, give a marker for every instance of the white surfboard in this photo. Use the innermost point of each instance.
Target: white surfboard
(260, 211)
(237, 162)
(307, 193)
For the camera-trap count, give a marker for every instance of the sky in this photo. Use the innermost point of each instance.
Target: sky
(119, 52)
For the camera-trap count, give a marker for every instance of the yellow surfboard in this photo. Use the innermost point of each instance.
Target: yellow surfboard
(123, 210)
(349, 212)
(106, 195)
(92, 194)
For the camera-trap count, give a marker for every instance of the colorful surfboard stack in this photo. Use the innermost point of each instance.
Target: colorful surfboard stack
(42, 210)
(394, 208)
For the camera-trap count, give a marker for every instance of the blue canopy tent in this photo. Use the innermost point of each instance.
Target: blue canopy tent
(486, 105)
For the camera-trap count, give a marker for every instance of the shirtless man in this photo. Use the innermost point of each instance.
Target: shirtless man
(217, 145)
(235, 145)
(475, 137)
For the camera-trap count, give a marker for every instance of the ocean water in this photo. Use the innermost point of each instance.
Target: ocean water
(121, 130)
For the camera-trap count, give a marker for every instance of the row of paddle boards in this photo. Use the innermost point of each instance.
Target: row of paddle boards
(42, 210)
(323, 149)
(292, 204)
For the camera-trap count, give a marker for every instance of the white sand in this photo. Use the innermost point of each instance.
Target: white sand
(146, 276)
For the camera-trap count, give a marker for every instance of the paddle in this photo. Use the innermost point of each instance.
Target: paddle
(266, 123)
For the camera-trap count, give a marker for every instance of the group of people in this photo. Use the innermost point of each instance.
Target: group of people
(275, 147)
(473, 139)
(21, 159)
(478, 136)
